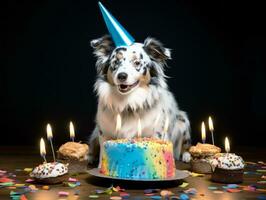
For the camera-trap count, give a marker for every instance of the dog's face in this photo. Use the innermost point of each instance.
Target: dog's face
(130, 67)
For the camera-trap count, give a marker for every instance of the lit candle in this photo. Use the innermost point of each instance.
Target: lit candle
(139, 128)
(203, 132)
(165, 128)
(118, 124)
(72, 131)
(42, 149)
(227, 145)
(50, 138)
(211, 128)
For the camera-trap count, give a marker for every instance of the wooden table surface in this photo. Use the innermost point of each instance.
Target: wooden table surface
(12, 158)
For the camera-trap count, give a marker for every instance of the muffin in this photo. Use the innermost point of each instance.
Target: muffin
(50, 173)
(228, 168)
(76, 155)
(201, 156)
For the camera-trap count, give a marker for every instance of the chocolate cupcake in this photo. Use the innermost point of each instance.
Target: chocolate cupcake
(50, 173)
(201, 156)
(228, 168)
(76, 155)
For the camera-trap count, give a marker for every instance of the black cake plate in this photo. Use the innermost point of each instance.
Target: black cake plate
(180, 174)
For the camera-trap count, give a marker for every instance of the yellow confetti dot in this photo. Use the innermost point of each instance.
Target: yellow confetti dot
(183, 185)
(27, 169)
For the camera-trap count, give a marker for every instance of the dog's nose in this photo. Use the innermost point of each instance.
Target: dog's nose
(122, 76)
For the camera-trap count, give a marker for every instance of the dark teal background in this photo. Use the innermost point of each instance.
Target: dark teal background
(218, 65)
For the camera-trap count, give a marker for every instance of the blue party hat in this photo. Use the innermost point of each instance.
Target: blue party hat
(120, 36)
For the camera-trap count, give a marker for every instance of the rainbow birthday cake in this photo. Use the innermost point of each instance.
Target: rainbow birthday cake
(139, 158)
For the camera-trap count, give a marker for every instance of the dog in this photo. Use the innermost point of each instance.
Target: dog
(131, 82)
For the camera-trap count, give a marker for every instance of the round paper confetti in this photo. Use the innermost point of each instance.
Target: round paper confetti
(94, 196)
(115, 198)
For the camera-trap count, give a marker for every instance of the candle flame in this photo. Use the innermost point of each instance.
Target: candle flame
(166, 125)
(71, 130)
(118, 123)
(210, 124)
(42, 147)
(49, 131)
(227, 145)
(139, 128)
(203, 132)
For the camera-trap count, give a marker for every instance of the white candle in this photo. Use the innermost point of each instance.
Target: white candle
(139, 128)
(203, 132)
(211, 128)
(118, 124)
(42, 149)
(165, 128)
(72, 131)
(50, 138)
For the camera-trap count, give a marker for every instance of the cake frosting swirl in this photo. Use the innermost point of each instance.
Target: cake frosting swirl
(228, 161)
(140, 158)
(49, 170)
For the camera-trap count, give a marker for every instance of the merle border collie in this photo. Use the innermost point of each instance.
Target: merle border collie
(131, 82)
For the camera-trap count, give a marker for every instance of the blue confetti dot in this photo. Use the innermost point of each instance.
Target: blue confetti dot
(183, 197)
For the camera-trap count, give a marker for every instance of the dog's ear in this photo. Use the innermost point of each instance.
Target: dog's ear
(103, 47)
(156, 50)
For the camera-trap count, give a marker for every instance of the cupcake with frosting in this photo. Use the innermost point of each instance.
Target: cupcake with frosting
(50, 173)
(76, 155)
(201, 156)
(228, 168)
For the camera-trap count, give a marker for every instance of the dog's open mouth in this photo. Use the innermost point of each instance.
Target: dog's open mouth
(123, 88)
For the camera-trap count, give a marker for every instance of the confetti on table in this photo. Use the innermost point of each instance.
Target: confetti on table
(3, 171)
(33, 187)
(249, 188)
(5, 180)
(45, 187)
(23, 197)
(166, 193)
(174, 197)
(232, 186)
(27, 170)
(218, 192)
(261, 182)
(115, 198)
(212, 188)
(6, 184)
(193, 174)
(183, 185)
(124, 195)
(63, 193)
(191, 191)
(19, 185)
(251, 173)
(72, 179)
(99, 191)
(29, 180)
(93, 196)
(184, 197)
(149, 191)
(261, 170)
(156, 197)
(233, 190)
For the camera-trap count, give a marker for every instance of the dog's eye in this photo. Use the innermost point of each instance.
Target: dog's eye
(137, 62)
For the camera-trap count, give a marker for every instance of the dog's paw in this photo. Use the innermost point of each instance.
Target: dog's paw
(186, 157)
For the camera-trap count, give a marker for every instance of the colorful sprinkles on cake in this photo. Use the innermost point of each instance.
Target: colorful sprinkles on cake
(141, 158)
